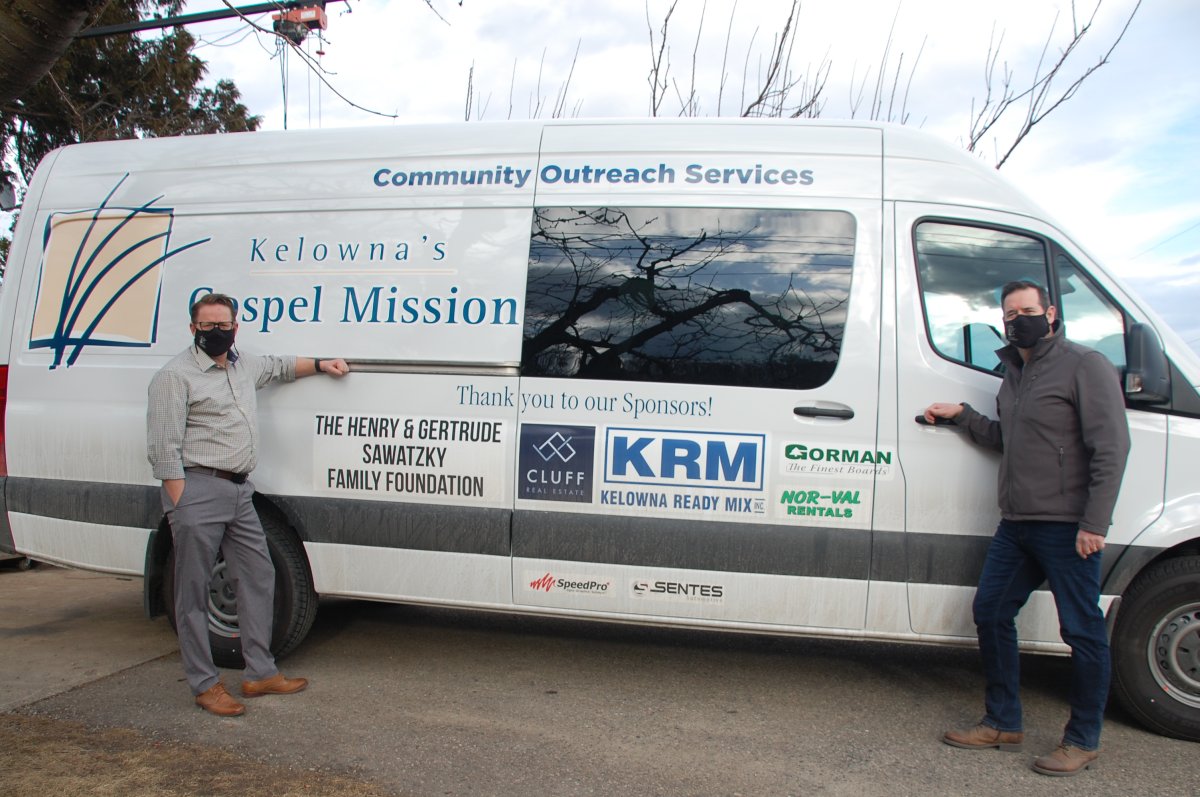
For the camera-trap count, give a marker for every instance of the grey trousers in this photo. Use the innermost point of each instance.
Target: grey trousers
(214, 514)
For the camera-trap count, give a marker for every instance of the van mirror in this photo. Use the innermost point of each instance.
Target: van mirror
(1147, 373)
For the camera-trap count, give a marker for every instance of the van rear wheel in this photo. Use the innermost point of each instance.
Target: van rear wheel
(1156, 648)
(295, 598)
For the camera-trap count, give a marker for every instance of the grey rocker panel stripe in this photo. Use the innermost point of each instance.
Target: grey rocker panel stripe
(6, 538)
(822, 552)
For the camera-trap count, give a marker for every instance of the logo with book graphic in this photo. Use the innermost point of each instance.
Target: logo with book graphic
(101, 277)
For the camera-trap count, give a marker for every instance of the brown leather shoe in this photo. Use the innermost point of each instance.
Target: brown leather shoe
(1067, 760)
(275, 685)
(983, 737)
(216, 700)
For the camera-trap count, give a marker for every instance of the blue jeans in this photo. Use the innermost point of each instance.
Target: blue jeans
(1021, 556)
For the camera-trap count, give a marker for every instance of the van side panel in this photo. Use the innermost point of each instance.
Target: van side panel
(402, 253)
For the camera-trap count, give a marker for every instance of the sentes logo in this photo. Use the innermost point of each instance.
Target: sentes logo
(677, 591)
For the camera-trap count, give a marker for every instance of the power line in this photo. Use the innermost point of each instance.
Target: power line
(1166, 241)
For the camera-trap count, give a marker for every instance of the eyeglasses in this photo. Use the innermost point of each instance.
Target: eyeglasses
(209, 326)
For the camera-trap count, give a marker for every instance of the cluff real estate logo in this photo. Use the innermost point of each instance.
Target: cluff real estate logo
(829, 461)
(556, 462)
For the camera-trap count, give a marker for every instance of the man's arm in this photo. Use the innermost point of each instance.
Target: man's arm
(1104, 430)
(166, 421)
(981, 429)
(307, 366)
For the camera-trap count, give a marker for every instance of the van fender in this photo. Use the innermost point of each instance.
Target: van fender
(1175, 532)
(159, 545)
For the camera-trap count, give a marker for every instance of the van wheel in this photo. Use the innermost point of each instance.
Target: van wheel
(295, 598)
(1156, 648)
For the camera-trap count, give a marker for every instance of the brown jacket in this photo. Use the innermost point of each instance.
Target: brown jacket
(1062, 432)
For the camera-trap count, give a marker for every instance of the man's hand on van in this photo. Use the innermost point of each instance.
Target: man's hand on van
(334, 366)
(944, 411)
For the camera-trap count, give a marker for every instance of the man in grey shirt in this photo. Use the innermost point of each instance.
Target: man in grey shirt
(202, 441)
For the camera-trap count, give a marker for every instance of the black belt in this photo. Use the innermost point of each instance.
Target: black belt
(228, 475)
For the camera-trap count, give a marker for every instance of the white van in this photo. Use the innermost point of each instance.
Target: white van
(641, 371)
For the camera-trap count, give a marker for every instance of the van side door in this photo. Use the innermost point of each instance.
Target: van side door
(698, 390)
(951, 266)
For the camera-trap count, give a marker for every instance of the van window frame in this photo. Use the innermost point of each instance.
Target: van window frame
(1048, 247)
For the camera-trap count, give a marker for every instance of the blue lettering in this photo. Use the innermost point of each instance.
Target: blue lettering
(625, 455)
(681, 453)
(381, 177)
(255, 252)
(360, 313)
(410, 307)
(744, 462)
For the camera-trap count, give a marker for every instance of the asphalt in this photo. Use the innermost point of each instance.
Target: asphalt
(425, 702)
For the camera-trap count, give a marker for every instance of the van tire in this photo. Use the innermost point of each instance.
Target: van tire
(295, 598)
(1156, 648)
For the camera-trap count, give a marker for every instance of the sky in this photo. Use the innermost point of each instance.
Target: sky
(1117, 165)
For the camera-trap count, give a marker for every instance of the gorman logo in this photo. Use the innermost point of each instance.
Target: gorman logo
(101, 278)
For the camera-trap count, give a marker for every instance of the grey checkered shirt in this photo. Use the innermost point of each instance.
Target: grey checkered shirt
(200, 414)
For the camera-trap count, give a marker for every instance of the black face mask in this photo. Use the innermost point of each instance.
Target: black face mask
(1025, 331)
(215, 342)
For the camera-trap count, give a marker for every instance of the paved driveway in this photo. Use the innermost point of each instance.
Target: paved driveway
(440, 702)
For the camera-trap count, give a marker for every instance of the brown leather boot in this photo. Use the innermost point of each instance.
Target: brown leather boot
(215, 700)
(983, 737)
(277, 684)
(1065, 761)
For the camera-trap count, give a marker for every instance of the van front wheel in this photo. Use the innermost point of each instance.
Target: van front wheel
(1156, 648)
(295, 598)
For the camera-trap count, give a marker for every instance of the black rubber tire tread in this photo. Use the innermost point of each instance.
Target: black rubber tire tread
(1161, 588)
(295, 599)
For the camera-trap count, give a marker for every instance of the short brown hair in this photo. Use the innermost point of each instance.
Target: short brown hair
(214, 298)
(1021, 285)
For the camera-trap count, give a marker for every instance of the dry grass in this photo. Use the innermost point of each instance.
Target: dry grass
(44, 756)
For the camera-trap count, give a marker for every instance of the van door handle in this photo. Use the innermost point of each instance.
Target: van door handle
(841, 413)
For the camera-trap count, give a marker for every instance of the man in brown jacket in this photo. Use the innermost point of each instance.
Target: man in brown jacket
(1064, 441)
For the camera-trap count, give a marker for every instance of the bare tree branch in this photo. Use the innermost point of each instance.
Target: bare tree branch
(1041, 101)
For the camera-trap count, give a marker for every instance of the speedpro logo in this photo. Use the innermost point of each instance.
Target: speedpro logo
(677, 458)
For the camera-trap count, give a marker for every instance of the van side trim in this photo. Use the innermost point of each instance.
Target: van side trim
(385, 524)
(391, 524)
(697, 545)
(6, 537)
(824, 552)
(456, 369)
(135, 505)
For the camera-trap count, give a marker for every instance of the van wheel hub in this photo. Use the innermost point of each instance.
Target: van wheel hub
(1174, 653)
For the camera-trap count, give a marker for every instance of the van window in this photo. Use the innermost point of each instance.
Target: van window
(961, 270)
(688, 295)
(1089, 317)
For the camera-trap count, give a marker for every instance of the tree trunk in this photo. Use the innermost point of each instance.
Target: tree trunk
(33, 35)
